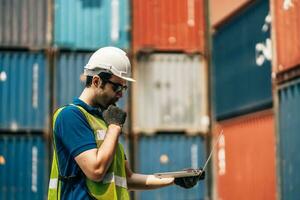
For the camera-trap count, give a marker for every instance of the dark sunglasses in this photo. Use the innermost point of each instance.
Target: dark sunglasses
(117, 87)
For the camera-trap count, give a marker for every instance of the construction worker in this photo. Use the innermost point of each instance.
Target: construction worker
(88, 161)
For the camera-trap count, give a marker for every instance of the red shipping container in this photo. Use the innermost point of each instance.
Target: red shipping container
(168, 25)
(286, 32)
(245, 158)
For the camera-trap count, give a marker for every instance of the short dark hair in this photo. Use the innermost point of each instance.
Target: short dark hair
(103, 75)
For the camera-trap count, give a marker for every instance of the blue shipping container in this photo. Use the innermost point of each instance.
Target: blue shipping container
(171, 152)
(23, 168)
(90, 24)
(24, 98)
(289, 140)
(68, 73)
(69, 79)
(241, 74)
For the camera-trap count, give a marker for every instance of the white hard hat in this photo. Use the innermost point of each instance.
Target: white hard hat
(109, 59)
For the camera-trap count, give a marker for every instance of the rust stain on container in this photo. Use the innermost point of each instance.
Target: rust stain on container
(286, 31)
(176, 25)
(245, 158)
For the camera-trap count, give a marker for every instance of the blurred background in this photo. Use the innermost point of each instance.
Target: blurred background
(201, 66)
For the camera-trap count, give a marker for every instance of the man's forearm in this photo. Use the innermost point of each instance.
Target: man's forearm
(147, 182)
(106, 152)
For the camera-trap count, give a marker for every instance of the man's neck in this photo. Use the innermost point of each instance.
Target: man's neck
(87, 96)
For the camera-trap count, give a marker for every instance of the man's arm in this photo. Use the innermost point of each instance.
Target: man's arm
(145, 182)
(95, 162)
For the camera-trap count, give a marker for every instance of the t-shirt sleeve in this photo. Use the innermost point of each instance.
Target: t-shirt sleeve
(73, 131)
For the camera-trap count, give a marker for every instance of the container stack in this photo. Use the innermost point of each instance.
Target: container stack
(169, 101)
(24, 98)
(286, 79)
(242, 103)
(80, 28)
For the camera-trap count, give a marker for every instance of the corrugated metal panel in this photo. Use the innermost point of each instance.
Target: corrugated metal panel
(221, 9)
(286, 24)
(245, 158)
(170, 153)
(23, 168)
(168, 25)
(23, 23)
(90, 24)
(69, 79)
(23, 91)
(241, 68)
(68, 75)
(170, 94)
(289, 140)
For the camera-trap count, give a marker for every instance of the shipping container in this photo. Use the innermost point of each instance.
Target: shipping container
(24, 23)
(289, 140)
(91, 24)
(245, 158)
(286, 31)
(23, 167)
(220, 10)
(170, 93)
(171, 25)
(241, 74)
(171, 152)
(69, 79)
(24, 98)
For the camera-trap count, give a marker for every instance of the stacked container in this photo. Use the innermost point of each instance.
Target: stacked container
(169, 101)
(24, 98)
(286, 68)
(80, 28)
(89, 25)
(242, 105)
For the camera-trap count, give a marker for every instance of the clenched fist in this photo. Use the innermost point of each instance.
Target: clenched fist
(114, 115)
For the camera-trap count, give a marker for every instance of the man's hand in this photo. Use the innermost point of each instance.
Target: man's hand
(114, 115)
(189, 182)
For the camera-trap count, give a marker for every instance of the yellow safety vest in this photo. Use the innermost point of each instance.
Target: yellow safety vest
(114, 184)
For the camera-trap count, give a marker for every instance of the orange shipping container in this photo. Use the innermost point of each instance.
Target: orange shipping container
(286, 32)
(245, 158)
(222, 9)
(168, 25)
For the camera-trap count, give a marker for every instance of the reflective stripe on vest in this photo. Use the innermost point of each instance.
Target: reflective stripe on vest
(118, 180)
(53, 183)
(108, 178)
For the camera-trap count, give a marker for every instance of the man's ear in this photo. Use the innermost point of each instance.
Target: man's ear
(96, 81)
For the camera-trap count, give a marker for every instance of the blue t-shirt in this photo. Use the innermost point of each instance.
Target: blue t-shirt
(73, 135)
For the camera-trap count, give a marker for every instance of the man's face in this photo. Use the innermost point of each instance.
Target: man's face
(112, 91)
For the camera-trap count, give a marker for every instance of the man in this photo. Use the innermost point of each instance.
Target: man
(88, 161)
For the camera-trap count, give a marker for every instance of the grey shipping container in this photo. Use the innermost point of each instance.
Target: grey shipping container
(288, 140)
(171, 152)
(23, 167)
(23, 23)
(241, 75)
(24, 95)
(170, 93)
(90, 24)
